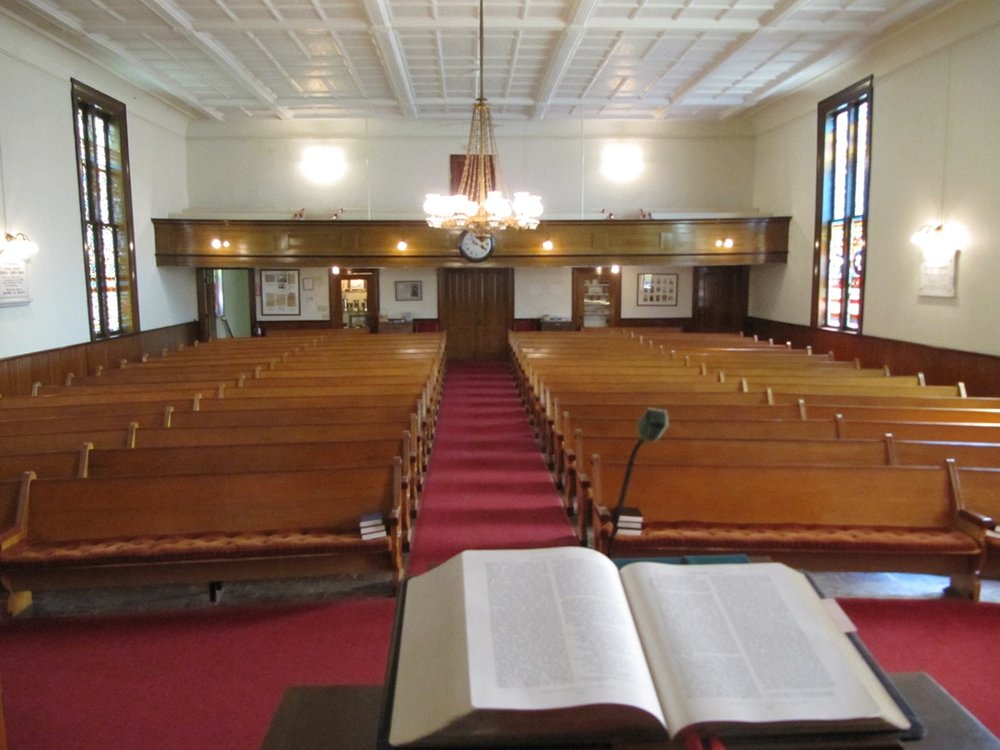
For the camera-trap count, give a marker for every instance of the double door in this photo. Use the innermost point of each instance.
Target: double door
(476, 310)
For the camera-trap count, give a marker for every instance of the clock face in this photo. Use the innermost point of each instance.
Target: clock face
(475, 248)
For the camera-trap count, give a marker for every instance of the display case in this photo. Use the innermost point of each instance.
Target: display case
(596, 303)
(354, 296)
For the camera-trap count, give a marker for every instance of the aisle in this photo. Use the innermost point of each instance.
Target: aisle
(487, 485)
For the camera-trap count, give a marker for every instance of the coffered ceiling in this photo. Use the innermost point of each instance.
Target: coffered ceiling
(418, 59)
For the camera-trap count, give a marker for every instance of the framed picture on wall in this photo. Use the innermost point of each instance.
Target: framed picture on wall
(409, 291)
(279, 292)
(657, 289)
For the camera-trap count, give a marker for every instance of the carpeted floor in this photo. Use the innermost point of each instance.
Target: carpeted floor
(212, 676)
(487, 485)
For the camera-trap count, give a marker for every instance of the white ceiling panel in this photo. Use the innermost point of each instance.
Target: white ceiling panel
(632, 59)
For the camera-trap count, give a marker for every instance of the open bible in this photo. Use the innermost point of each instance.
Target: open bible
(558, 646)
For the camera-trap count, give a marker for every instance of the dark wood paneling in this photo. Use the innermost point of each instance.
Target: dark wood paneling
(476, 310)
(979, 372)
(680, 324)
(720, 298)
(278, 326)
(51, 367)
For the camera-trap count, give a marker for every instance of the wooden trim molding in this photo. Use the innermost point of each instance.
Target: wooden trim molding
(203, 243)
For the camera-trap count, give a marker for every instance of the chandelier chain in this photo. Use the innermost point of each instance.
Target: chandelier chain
(480, 205)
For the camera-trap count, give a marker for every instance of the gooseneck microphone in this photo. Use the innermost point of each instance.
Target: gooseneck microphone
(652, 425)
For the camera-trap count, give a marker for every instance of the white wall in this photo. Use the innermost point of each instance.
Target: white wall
(935, 157)
(40, 196)
(425, 308)
(250, 169)
(543, 292)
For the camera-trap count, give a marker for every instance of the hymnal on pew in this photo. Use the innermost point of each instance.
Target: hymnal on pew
(629, 522)
(558, 647)
(372, 526)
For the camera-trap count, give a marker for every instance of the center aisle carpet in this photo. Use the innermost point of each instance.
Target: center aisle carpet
(487, 486)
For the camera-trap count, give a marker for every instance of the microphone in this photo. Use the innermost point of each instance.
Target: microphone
(652, 425)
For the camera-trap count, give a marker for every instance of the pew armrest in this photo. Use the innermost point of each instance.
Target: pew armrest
(18, 532)
(975, 524)
(603, 527)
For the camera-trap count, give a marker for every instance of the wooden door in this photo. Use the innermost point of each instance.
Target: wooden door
(720, 298)
(476, 310)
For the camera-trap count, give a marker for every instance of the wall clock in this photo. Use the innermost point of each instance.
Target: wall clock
(475, 248)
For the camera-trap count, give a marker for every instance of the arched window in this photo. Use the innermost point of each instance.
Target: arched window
(844, 154)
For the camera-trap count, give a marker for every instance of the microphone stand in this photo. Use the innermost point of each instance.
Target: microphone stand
(652, 425)
(625, 481)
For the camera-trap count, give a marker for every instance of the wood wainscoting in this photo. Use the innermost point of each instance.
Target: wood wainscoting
(979, 372)
(53, 366)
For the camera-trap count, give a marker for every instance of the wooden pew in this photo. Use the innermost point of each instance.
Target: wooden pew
(901, 519)
(95, 400)
(740, 452)
(233, 436)
(750, 429)
(60, 442)
(614, 451)
(248, 417)
(196, 528)
(258, 457)
(81, 424)
(46, 465)
(833, 429)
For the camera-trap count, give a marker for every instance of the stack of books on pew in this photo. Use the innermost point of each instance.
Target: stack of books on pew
(630, 522)
(372, 526)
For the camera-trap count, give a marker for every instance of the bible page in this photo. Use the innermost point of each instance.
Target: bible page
(550, 628)
(748, 643)
(431, 689)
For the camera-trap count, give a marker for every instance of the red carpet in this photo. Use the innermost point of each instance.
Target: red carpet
(487, 485)
(955, 642)
(207, 679)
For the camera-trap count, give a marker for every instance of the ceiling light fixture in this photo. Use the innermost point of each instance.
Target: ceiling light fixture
(480, 206)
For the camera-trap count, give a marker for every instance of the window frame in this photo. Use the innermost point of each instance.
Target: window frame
(849, 99)
(92, 101)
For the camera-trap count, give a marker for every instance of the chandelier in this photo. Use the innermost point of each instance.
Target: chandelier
(480, 205)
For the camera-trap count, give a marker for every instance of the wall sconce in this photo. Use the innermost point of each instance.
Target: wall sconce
(218, 244)
(335, 270)
(19, 246)
(726, 243)
(547, 245)
(939, 238)
(401, 246)
(615, 268)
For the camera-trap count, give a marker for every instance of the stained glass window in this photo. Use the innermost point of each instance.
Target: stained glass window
(105, 212)
(842, 207)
